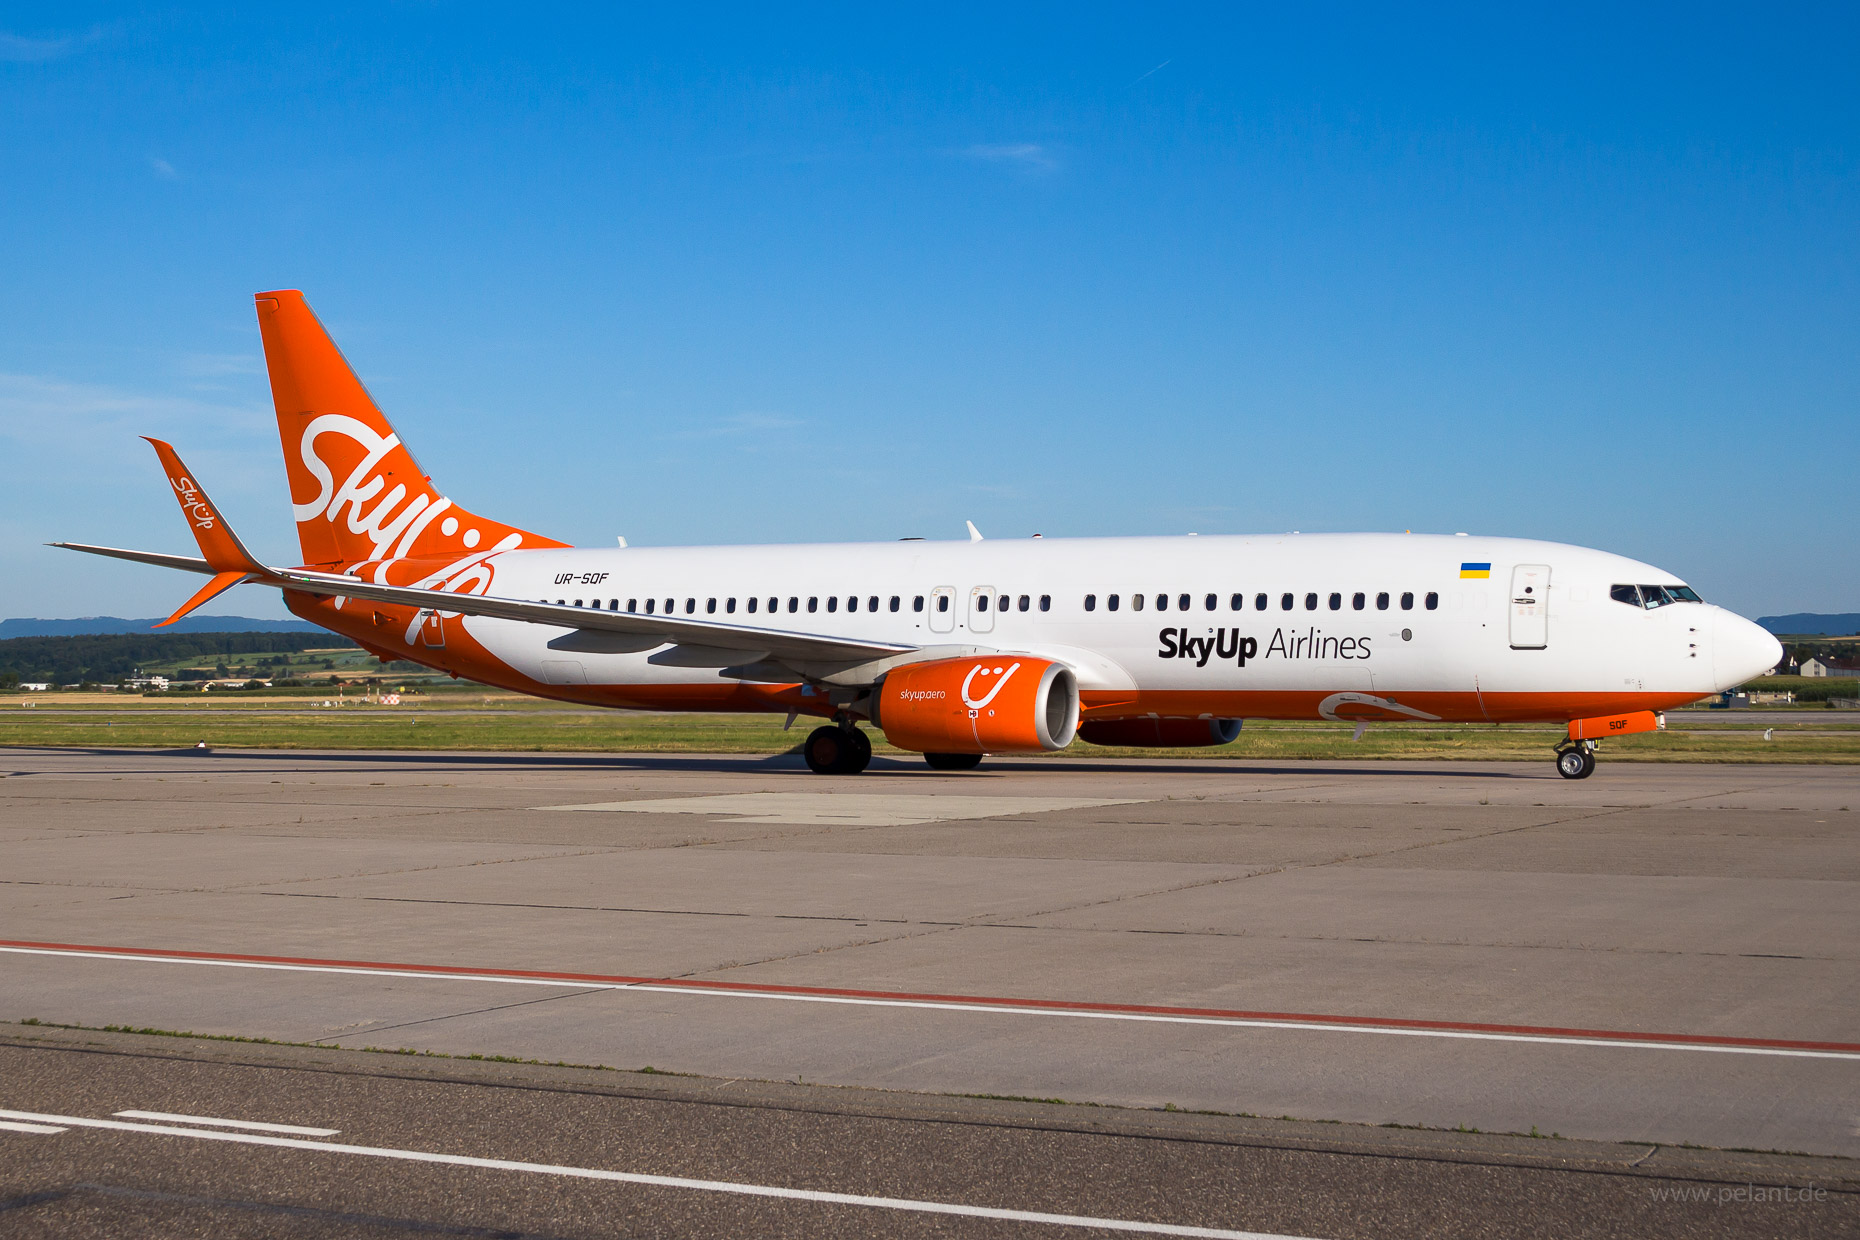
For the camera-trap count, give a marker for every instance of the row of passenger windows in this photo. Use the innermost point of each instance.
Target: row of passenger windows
(872, 603)
(1288, 601)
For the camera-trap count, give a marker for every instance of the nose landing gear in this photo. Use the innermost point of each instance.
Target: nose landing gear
(837, 749)
(1575, 759)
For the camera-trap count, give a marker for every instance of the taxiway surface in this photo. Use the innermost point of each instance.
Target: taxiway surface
(1662, 954)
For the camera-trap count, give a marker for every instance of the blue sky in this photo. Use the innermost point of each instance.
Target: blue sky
(1580, 274)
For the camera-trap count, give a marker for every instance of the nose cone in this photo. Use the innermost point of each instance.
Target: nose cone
(1741, 650)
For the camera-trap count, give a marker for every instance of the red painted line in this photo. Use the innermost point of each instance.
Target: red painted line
(900, 996)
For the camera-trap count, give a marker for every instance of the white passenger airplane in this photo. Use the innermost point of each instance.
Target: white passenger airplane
(961, 649)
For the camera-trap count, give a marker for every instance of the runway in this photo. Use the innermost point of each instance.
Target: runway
(1660, 955)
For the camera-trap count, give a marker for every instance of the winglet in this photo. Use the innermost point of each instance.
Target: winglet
(221, 547)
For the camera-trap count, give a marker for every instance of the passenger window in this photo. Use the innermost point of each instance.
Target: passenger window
(710, 606)
(1136, 602)
(1091, 602)
(852, 602)
(1181, 602)
(813, 603)
(895, 601)
(752, 606)
(775, 606)
(1046, 602)
(671, 605)
(794, 604)
(1213, 602)
(690, 606)
(1336, 601)
(1310, 602)
(981, 602)
(833, 603)
(942, 602)
(1110, 602)
(650, 604)
(1433, 600)
(730, 607)
(1025, 602)
(917, 604)
(1625, 594)
(1162, 602)
(1237, 602)
(1357, 601)
(1382, 601)
(1287, 602)
(1407, 600)
(1259, 602)
(871, 604)
(632, 604)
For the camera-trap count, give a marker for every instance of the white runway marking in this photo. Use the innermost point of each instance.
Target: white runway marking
(10, 1125)
(999, 1008)
(846, 809)
(654, 1181)
(253, 1125)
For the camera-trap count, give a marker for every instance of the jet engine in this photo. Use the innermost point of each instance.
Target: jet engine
(1154, 732)
(992, 704)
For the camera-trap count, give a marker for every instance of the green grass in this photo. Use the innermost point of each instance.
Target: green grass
(502, 721)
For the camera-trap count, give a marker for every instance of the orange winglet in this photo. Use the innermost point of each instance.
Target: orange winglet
(221, 547)
(221, 583)
(1614, 725)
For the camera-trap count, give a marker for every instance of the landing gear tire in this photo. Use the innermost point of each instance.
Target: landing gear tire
(1576, 763)
(837, 751)
(953, 761)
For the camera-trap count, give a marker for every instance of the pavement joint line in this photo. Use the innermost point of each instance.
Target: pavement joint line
(654, 1181)
(1081, 1009)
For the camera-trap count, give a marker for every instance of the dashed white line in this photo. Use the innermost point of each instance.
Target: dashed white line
(253, 1125)
(654, 1181)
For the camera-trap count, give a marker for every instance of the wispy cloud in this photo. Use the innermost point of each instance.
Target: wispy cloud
(22, 49)
(164, 169)
(739, 426)
(78, 420)
(218, 365)
(1027, 155)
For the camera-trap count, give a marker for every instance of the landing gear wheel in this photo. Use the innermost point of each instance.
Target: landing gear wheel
(1575, 763)
(836, 751)
(953, 761)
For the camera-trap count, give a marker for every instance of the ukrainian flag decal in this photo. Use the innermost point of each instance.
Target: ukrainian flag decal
(1476, 570)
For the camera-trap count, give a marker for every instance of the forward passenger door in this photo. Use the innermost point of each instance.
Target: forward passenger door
(1530, 607)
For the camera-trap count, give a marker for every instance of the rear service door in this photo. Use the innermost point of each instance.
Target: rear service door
(1530, 607)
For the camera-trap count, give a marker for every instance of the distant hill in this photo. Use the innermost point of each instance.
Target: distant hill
(1808, 623)
(115, 624)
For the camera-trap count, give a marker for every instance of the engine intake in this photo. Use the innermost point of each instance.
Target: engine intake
(996, 704)
(1149, 731)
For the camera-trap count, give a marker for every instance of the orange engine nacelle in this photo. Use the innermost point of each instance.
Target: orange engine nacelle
(993, 704)
(1157, 733)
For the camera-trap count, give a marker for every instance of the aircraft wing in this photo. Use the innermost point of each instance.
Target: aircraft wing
(706, 643)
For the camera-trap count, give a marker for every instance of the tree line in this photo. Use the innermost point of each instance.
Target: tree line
(106, 658)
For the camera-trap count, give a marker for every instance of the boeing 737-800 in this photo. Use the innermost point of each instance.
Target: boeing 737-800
(960, 649)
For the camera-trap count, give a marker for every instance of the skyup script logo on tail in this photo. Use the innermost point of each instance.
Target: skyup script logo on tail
(1225, 644)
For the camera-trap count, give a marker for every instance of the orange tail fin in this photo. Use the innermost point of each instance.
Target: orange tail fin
(356, 491)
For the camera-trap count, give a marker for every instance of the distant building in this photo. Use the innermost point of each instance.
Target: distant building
(35, 686)
(1830, 667)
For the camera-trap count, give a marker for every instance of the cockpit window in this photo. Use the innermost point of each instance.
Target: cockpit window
(1651, 597)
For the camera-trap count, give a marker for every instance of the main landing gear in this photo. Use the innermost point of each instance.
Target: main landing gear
(1575, 759)
(837, 750)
